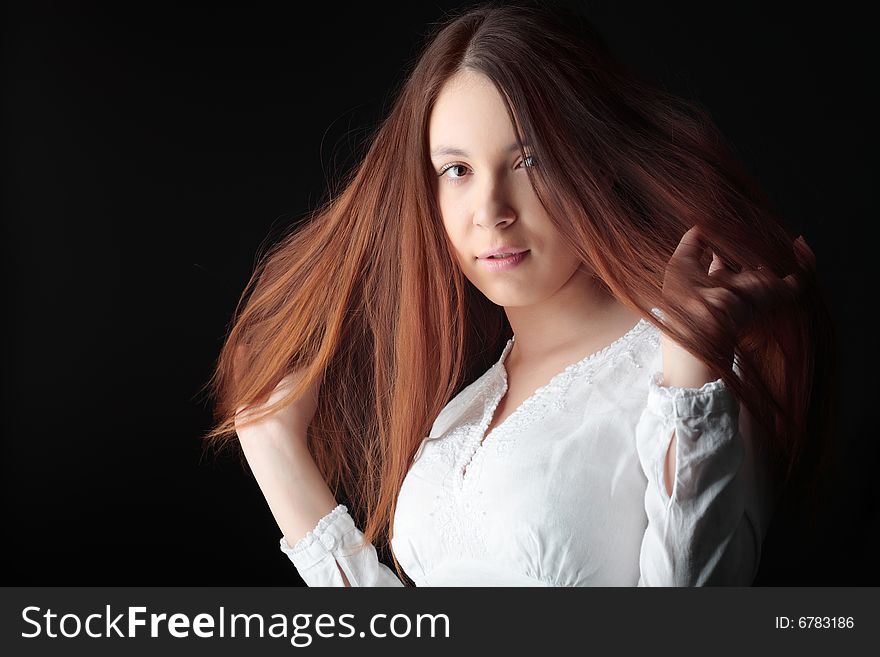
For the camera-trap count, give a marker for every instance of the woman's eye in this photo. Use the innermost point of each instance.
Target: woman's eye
(452, 179)
(528, 161)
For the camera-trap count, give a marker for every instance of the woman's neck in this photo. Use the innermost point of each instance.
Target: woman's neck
(580, 315)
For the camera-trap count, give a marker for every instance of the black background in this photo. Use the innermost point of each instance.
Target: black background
(152, 151)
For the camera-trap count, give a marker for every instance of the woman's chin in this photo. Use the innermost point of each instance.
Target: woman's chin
(508, 298)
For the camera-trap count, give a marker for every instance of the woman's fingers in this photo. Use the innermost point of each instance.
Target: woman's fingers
(685, 259)
(761, 287)
(804, 253)
(717, 265)
(762, 290)
(690, 247)
(684, 271)
(729, 297)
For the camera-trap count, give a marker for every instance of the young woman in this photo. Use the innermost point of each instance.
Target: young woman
(549, 333)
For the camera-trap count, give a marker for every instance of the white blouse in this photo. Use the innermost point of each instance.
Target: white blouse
(568, 490)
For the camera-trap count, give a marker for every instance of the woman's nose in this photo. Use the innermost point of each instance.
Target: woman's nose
(494, 208)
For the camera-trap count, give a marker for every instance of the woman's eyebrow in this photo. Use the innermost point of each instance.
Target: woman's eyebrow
(452, 150)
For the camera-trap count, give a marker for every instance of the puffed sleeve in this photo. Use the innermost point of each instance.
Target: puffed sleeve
(710, 530)
(335, 538)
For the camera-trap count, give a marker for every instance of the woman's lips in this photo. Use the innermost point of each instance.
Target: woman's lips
(502, 264)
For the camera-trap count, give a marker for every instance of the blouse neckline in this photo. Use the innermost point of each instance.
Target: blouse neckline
(596, 355)
(532, 408)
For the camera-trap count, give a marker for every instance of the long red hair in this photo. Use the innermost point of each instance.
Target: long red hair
(366, 293)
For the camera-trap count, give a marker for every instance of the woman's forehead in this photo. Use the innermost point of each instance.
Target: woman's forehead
(469, 118)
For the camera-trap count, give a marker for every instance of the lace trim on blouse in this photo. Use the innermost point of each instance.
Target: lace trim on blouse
(458, 508)
(315, 534)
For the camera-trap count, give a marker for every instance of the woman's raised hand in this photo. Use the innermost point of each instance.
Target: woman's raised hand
(291, 420)
(278, 454)
(740, 297)
(737, 297)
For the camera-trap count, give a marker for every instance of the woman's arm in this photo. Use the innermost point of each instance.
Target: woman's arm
(707, 529)
(290, 481)
(706, 498)
(319, 536)
(681, 370)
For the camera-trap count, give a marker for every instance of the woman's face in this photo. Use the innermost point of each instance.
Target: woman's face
(486, 199)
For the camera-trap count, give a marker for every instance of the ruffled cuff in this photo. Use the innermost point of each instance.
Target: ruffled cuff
(323, 539)
(673, 401)
(705, 422)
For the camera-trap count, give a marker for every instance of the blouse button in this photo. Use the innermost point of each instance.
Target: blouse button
(328, 540)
